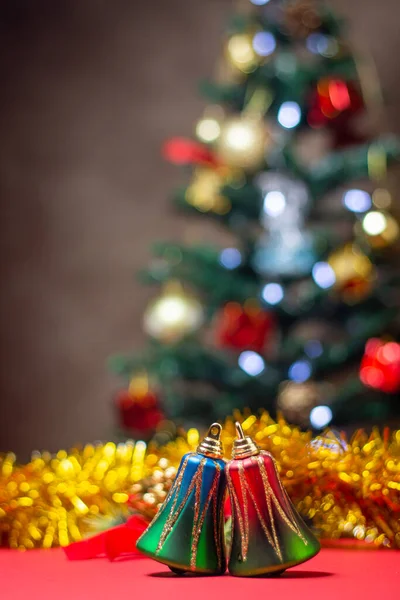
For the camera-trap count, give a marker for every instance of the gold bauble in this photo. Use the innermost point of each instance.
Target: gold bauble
(354, 272)
(243, 142)
(301, 17)
(204, 192)
(296, 400)
(173, 315)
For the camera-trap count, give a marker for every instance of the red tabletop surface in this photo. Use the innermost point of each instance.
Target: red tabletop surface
(331, 575)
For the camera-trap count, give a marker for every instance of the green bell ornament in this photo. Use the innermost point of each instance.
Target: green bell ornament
(187, 533)
(268, 535)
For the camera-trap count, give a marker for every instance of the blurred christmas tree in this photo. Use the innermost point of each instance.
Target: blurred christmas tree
(300, 315)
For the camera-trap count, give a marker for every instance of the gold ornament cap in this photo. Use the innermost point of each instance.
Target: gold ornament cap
(211, 445)
(243, 446)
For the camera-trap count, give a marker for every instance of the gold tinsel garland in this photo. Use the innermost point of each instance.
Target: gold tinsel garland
(346, 488)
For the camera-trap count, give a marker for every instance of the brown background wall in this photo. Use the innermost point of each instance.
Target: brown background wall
(89, 90)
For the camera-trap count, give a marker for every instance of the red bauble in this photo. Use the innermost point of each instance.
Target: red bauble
(243, 327)
(333, 104)
(138, 413)
(380, 365)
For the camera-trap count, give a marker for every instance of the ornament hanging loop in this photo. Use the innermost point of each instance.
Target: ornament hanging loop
(243, 446)
(239, 431)
(211, 446)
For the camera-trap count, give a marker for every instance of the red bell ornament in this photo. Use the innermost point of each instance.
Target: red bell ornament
(380, 365)
(268, 534)
(245, 327)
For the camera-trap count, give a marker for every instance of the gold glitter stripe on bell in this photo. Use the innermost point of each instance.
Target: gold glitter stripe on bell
(187, 534)
(268, 536)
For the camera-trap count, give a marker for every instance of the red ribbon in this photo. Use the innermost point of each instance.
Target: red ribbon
(113, 543)
(182, 151)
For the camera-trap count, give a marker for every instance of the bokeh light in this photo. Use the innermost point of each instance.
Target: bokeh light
(171, 310)
(251, 363)
(272, 293)
(239, 136)
(323, 275)
(274, 203)
(300, 371)
(264, 43)
(317, 43)
(320, 416)
(374, 223)
(241, 52)
(208, 130)
(313, 348)
(289, 115)
(357, 200)
(230, 258)
(325, 45)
